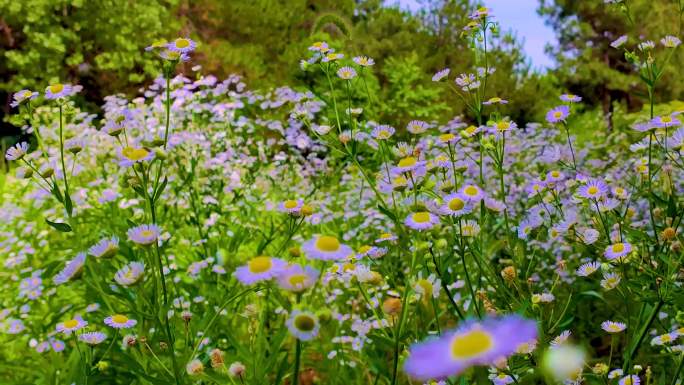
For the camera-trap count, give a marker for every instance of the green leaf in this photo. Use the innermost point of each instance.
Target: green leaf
(63, 227)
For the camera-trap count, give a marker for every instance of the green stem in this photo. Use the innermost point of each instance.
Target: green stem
(298, 354)
(642, 334)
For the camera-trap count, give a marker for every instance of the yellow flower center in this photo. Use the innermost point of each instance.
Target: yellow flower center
(26, 94)
(470, 129)
(327, 243)
(456, 204)
(471, 344)
(297, 279)
(571, 96)
(494, 100)
(385, 235)
(614, 328)
(56, 88)
(147, 233)
(70, 324)
(426, 286)
(446, 137)
(666, 338)
(503, 126)
(182, 43)
(304, 323)
(471, 190)
(290, 204)
(407, 162)
(119, 319)
(666, 119)
(364, 249)
(260, 264)
(555, 174)
(618, 248)
(349, 267)
(593, 190)
(134, 154)
(557, 114)
(421, 217)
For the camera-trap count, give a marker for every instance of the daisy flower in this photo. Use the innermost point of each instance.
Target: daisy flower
(181, 45)
(129, 156)
(319, 46)
(130, 274)
(346, 73)
(495, 100)
(617, 43)
(593, 189)
(610, 280)
(613, 327)
(21, 96)
(670, 41)
(631, 379)
(456, 204)
(617, 250)
(326, 248)
(441, 74)
(72, 325)
(303, 325)
(120, 321)
(408, 164)
(664, 339)
(427, 288)
(472, 193)
(297, 279)
(558, 114)
(58, 90)
(481, 342)
(144, 235)
(17, 152)
(72, 269)
(291, 206)
(92, 338)
(561, 339)
(383, 132)
(470, 229)
(258, 269)
(386, 237)
(106, 248)
(417, 127)
(421, 220)
(364, 61)
(665, 121)
(570, 98)
(588, 268)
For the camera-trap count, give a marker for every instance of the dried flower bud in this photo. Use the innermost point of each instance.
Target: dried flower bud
(391, 306)
(668, 234)
(509, 274)
(216, 356)
(237, 369)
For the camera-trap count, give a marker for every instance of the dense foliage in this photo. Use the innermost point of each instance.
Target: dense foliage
(372, 225)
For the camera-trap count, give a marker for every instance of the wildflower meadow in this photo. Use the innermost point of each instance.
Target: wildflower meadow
(201, 231)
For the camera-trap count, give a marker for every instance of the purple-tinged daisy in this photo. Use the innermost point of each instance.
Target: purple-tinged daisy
(631, 379)
(408, 164)
(326, 248)
(332, 56)
(664, 339)
(174, 56)
(593, 189)
(303, 325)
(495, 100)
(21, 96)
(670, 41)
(558, 114)
(144, 235)
(58, 90)
(473, 343)
(617, 43)
(383, 132)
(364, 61)
(588, 268)
(182, 45)
(386, 237)
(69, 326)
(617, 250)
(291, 206)
(417, 127)
(472, 193)
(561, 339)
(421, 220)
(297, 279)
(456, 205)
(666, 121)
(106, 248)
(613, 327)
(17, 152)
(469, 229)
(92, 338)
(120, 321)
(72, 269)
(615, 374)
(130, 274)
(319, 46)
(570, 98)
(258, 269)
(128, 156)
(346, 73)
(441, 74)
(610, 280)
